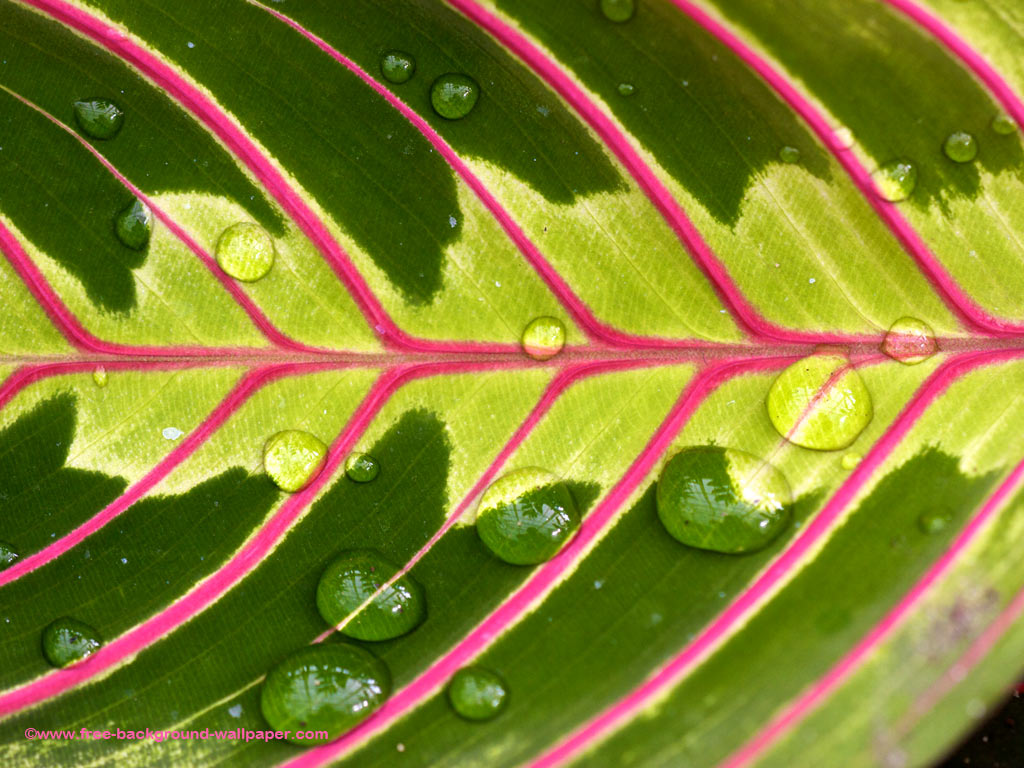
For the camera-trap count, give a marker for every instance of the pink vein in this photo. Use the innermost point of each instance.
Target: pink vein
(732, 297)
(259, 319)
(776, 574)
(973, 315)
(545, 576)
(208, 113)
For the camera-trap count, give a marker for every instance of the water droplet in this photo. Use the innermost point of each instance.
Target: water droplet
(350, 581)
(397, 66)
(960, 147)
(543, 338)
(933, 522)
(235, 711)
(361, 467)
(626, 89)
(618, 10)
(68, 640)
(98, 118)
(850, 460)
(133, 225)
(454, 95)
(820, 402)
(895, 181)
(789, 155)
(1004, 125)
(7, 555)
(526, 516)
(293, 458)
(843, 137)
(171, 433)
(910, 341)
(326, 687)
(476, 693)
(245, 251)
(99, 376)
(722, 499)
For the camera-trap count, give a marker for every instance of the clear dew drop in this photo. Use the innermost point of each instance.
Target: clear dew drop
(722, 499)
(361, 467)
(134, 225)
(476, 693)
(850, 460)
(895, 181)
(454, 95)
(99, 376)
(626, 89)
(960, 147)
(326, 687)
(292, 459)
(1004, 125)
(245, 251)
(543, 337)
(526, 516)
(618, 10)
(98, 118)
(910, 341)
(397, 67)
(68, 640)
(789, 155)
(8, 554)
(934, 521)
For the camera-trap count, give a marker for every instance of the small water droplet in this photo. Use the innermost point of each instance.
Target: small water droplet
(1004, 125)
(235, 711)
(397, 67)
(934, 521)
(361, 467)
(526, 516)
(476, 693)
(722, 499)
(843, 137)
(326, 687)
(68, 640)
(98, 118)
(245, 251)
(820, 402)
(850, 460)
(543, 338)
(171, 433)
(454, 95)
(133, 225)
(7, 555)
(895, 180)
(626, 89)
(960, 147)
(910, 341)
(99, 376)
(292, 459)
(618, 10)
(789, 155)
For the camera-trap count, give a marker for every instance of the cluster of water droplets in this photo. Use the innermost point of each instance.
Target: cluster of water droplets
(453, 95)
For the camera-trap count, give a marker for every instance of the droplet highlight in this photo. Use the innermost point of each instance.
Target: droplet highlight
(789, 155)
(476, 693)
(99, 376)
(98, 118)
(960, 147)
(245, 251)
(543, 338)
(933, 521)
(361, 467)
(626, 89)
(134, 225)
(618, 10)
(68, 640)
(8, 555)
(292, 459)
(1004, 125)
(910, 341)
(895, 181)
(843, 137)
(850, 460)
(454, 95)
(397, 67)
(722, 499)
(526, 516)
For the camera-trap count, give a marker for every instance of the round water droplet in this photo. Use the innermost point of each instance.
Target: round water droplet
(626, 89)
(526, 516)
(133, 225)
(397, 66)
(1004, 125)
(895, 181)
(933, 522)
(543, 338)
(960, 147)
(361, 467)
(293, 458)
(7, 555)
(850, 460)
(99, 376)
(68, 640)
(98, 118)
(789, 155)
(722, 499)
(454, 95)
(618, 10)
(910, 341)
(476, 693)
(245, 251)
(351, 580)
(820, 402)
(327, 687)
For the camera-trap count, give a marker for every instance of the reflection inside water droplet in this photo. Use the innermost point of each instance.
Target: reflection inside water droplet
(960, 147)
(68, 640)
(361, 467)
(543, 338)
(397, 66)
(133, 225)
(99, 376)
(850, 460)
(476, 693)
(8, 555)
(245, 251)
(1004, 125)
(292, 459)
(454, 95)
(626, 89)
(98, 118)
(910, 341)
(618, 10)
(789, 155)
(895, 181)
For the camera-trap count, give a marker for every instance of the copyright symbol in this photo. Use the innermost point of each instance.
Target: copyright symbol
(30, 733)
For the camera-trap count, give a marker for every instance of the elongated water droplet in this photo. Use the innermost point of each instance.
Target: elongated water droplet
(722, 499)
(476, 693)
(850, 460)
(543, 338)
(910, 341)
(351, 580)
(361, 467)
(820, 402)
(960, 147)
(293, 458)
(933, 521)
(454, 95)
(68, 640)
(99, 376)
(397, 67)
(133, 225)
(526, 516)
(626, 89)
(895, 181)
(98, 118)
(789, 155)
(327, 687)
(245, 251)
(618, 10)
(7, 555)
(1004, 125)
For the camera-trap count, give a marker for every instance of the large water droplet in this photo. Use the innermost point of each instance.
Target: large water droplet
(618, 10)
(789, 155)
(293, 458)
(476, 693)
(960, 147)
(361, 467)
(910, 341)
(397, 66)
(933, 522)
(327, 687)
(351, 580)
(454, 95)
(98, 118)
(895, 181)
(820, 402)
(526, 516)
(626, 89)
(68, 640)
(99, 376)
(133, 225)
(722, 499)
(543, 338)
(1004, 125)
(7, 555)
(245, 251)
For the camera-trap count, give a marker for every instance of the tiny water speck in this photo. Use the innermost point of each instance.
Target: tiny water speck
(235, 711)
(171, 433)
